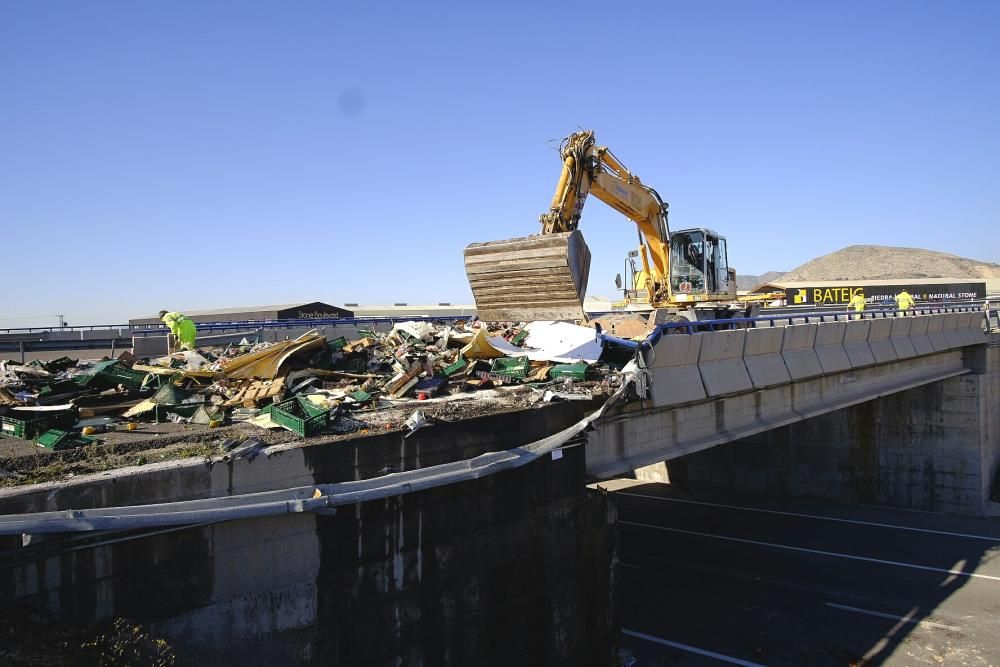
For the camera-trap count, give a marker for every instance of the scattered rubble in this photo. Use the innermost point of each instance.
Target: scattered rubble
(403, 379)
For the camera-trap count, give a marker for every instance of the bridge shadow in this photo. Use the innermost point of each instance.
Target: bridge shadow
(777, 580)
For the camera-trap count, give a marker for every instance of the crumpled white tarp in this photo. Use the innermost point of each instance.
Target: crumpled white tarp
(561, 342)
(419, 330)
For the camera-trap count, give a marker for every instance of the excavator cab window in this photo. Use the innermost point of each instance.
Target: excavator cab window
(723, 266)
(688, 261)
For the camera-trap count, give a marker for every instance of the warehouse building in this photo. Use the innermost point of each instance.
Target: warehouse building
(316, 310)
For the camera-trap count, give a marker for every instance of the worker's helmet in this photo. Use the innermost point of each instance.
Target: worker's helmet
(162, 313)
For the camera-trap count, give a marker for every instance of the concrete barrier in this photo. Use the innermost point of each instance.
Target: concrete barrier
(674, 365)
(949, 327)
(899, 336)
(971, 328)
(152, 346)
(721, 363)
(878, 340)
(830, 347)
(856, 343)
(918, 335)
(935, 333)
(798, 351)
(762, 356)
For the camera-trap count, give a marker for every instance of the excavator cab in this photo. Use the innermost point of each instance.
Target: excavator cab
(699, 266)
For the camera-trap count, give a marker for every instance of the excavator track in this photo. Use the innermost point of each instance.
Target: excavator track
(541, 277)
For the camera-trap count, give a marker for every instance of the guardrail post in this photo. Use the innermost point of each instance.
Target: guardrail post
(21, 345)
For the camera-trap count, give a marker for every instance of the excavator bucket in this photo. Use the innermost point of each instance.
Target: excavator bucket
(542, 277)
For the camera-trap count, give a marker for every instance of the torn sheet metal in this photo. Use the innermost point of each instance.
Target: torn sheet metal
(266, 364)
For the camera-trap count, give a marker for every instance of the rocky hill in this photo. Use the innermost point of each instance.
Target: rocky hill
(748, 282)
(873, 262)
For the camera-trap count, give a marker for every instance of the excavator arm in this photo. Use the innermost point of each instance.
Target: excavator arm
(544, 277)
(590, 169)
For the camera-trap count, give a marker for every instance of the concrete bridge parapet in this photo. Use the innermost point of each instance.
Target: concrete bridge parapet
(674, 365)
(798, 349)
(899, 338)
(918, 335)
(762, 355)
(830, 347)
(856, 343)
(721, 364)
(878, 341)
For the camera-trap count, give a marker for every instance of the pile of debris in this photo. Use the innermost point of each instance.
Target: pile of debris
(308, 385)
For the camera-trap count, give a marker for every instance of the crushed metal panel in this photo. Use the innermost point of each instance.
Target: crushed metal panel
(266, 363)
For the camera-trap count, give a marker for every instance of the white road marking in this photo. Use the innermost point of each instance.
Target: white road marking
(820, 552)
(690, 649)
(908, 618)
(815, 516)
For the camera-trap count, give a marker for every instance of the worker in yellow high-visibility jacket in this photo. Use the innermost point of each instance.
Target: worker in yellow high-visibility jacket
(181, 327)
(858, 302)
(904, 301)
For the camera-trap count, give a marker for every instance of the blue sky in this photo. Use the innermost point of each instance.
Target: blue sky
(190, 155)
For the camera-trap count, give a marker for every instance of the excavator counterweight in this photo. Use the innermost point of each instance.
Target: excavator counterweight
(541, 277)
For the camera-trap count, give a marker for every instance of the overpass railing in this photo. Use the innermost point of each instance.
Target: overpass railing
(788, 319)
(209, 327)
(990, 321)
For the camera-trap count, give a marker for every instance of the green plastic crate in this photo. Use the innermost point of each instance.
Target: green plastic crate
(310, 408)
(352, 365)
(360, 396)
(59, 365)
(27, 428)
(451, 369)
(110, 374)
(294, 415)
(519, 338)
(337, 343)
(513, 367)
(57, 440)
(577, 371)
(59, 387)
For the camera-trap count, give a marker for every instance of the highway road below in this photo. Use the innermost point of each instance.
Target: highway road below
(720, 579)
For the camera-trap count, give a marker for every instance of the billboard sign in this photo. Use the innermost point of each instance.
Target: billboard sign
(884, 294)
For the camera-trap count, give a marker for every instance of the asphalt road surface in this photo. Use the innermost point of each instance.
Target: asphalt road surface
(720, 579)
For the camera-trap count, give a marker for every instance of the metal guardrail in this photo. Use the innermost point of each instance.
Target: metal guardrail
(39, 343)
(228, 324)
(23, 346)
(209, 327)
(788, 319)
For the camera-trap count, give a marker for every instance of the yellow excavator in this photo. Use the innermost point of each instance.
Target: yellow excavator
(683, 275)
